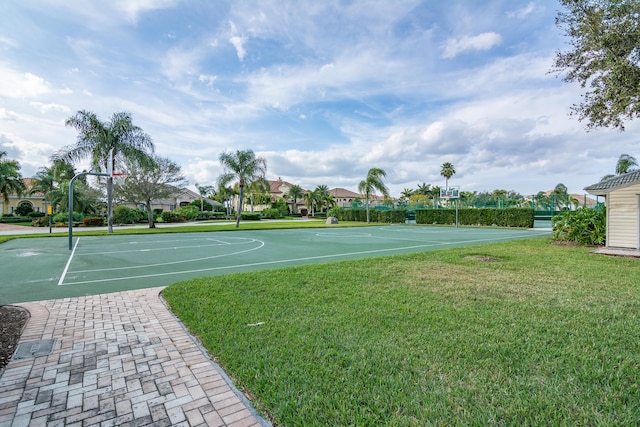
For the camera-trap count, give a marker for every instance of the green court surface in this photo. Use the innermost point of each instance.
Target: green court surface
(36, 269)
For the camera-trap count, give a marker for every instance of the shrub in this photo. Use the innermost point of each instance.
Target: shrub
(510, 217)
(205, 215)
(394, 216)
(13, 219)
(585, 226)
(141, 215)
(188, 212)
(124, 215)
(24, 210)
(36, 214)
(250, 216)
(42, 221)
(172, 217)
(206, 206)
(63, 217)
(93, 221)
(157, 212)
(281, 206)
(271, 213)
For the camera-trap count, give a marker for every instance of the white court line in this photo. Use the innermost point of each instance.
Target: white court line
(66, 267)
(200, 270)
(130, 267)
(162, 248)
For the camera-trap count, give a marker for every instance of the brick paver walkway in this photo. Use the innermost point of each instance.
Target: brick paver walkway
(118, 359)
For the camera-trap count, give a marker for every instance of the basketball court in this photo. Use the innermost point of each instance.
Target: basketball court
(36, 269)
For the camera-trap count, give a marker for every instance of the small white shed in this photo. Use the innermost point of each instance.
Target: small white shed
(622, 199)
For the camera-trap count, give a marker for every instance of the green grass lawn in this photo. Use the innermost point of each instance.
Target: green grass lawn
(518, 333)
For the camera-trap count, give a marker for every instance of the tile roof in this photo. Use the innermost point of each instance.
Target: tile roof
(605, 186)
(343, 193)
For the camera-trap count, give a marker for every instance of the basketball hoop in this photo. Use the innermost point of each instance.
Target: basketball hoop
(450, 193)
(118, 177)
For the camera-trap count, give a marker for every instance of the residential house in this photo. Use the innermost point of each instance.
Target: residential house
(36, 200)
(622, 200)
(347, 198)
(180, 198)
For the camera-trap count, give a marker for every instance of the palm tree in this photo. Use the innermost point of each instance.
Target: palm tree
(560, 195)
(370, 184)
(322, 196)
(447, 171)
(406, 194)
(626, 163)
(51, 180)
(205, 191)
(258, 187)
(295, 193)
(225, 195)
(244, 166)
(423, 189)
(10, 179)
(310, 199)
(96, 139)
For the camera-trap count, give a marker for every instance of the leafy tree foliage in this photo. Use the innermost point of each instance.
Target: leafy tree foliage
(150, 179)
(52, 180)
(295, 193)
(626, 163)
(10, 179)
(585, 226)
(205, 191)
(96, 139)
(24, 209)
(605, 57)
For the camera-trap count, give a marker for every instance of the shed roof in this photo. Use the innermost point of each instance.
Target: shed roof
(605, 186)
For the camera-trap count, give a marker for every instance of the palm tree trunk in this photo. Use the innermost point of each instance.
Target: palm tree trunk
(368, 220)
(240, 197)
(110, 205)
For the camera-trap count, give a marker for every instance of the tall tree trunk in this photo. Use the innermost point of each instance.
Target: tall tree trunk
(368, 220)
(152, 222)
(240, 206)
(110, 204)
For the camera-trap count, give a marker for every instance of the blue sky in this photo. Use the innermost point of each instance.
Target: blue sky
(324, 90)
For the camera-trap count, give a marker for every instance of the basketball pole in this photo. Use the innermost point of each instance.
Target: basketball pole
(109, 176)
(110, 192)
(70, 206)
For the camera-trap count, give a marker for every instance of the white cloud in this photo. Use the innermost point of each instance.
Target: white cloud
(484, 41)
(208, 80)
(22, 85)
(237, 41)
(178, 63)
(522, 13)
(7, 114)
(7, 42)
(133, 8)
(87, 92)
(45, 108)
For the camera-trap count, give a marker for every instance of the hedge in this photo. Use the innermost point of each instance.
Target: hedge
(250, 216)
(510, 217)
(12, 219)
(393, 216)
(93, 221)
